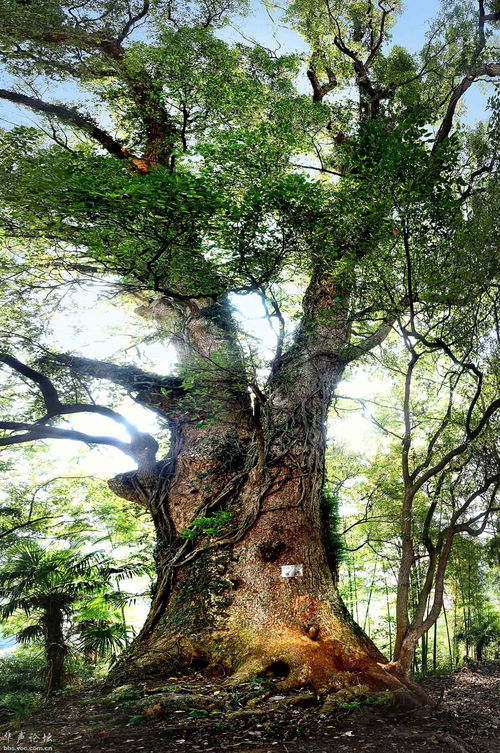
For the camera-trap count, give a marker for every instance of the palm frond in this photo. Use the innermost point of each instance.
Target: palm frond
(103, 636)
(30, 633)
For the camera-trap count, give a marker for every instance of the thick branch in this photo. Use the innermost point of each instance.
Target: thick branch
(372, 341)
(144, 91)
(72, 117)
(49, 392)
(142, 447)
(130, 377)
(491, 70)
(133, 21)
(320, 90)
(35, 432)
(101, 410)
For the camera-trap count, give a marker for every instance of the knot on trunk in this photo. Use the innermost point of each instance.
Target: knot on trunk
(270, 550)
(312, 631)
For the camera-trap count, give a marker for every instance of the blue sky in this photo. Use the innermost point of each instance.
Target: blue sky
(411, 27)
(409, 30)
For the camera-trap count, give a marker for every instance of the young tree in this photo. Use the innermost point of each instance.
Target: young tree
(456, 470)
(45, 585)
(478, 623)
(441, 423)
(195, 190)
(100, 627)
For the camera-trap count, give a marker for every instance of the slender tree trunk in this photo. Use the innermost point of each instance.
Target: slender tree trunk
(351, 594)
(448, 637)
(455, 621)
(369, 600)
(55, 648)
(425, 636)
(354, 580)
(469, 610)
(389, 627)
(404, 578)
(425, 650)
(434, 647)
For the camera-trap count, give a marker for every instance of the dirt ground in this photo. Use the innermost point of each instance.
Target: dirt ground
(191, 714)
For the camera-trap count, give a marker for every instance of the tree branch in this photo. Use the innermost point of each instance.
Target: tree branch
(129, 377)
(9, 531)
(35, 432)
(142, 447)
(370, 342)
(381, 36)
(49, 392)
(491, 70)
(143, 89)
(133, 21)
(72, 117)
(320, 90)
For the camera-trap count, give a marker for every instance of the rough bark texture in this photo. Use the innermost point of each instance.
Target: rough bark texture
(55, 648)
(221, 601)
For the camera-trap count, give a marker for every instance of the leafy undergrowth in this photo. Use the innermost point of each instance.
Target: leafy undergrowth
(193, 714)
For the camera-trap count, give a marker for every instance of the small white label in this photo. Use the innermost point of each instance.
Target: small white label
(292, 571)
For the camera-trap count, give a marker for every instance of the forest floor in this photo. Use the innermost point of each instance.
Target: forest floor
(191, 714)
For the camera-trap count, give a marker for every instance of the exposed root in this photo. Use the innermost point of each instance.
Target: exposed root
(326, 669)
(401, 699)
(291, 659)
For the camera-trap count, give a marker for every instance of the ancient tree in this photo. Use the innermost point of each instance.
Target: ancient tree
(206, 171)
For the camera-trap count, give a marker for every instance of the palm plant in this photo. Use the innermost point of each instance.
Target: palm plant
(101, 637)
(101, 629)
(45, 585)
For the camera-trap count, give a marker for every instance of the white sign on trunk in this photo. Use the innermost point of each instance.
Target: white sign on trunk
(292, 571)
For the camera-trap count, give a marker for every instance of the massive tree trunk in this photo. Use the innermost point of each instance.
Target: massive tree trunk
(223, 598)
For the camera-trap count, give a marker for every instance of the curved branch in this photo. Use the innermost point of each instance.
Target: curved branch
(72, 408)
(35, 432)
(49, 392)
(4, 534)
(130, 377)
(142, 447)
(133, 21)
(144, 91)
(492, 70)
(72, 117)
(372, 341)
(320, 90)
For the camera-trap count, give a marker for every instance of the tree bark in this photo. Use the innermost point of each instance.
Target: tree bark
(222, 600)
(55, 648)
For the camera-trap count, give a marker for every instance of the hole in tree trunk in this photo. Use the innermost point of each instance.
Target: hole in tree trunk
(271, 550)
(277, 670)
(198, 664)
